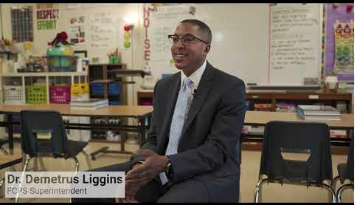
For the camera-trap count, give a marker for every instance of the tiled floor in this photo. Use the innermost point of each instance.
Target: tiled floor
(249, 177)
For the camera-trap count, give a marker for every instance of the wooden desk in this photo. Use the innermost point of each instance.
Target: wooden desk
(138, 112)
(259, 118)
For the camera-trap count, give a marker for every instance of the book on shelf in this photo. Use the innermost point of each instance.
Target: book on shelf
(318, 112)
(320, 117)
(91, 104)
(88, 107)
(263, 106)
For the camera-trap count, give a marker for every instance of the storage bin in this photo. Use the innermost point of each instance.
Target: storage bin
(114, 88)
(36, 94)
(97, 88)
(59, 94)
(13, 94)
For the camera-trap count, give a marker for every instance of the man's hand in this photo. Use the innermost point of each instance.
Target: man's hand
(145, 172)
(128, 199)
(130, 188)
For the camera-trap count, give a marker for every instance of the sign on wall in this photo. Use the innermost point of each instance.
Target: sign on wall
(77, 30)
(47, 16)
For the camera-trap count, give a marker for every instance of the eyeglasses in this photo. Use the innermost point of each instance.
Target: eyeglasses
(187, 39)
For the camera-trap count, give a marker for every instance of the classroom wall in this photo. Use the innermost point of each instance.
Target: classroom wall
(120, 11)
(245, 50)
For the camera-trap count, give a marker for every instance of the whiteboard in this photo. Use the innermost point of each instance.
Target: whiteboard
(103, 28)
(295, 34)
(241, 39)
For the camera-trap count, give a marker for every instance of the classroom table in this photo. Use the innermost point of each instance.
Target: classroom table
(142, 113)
(260, 118)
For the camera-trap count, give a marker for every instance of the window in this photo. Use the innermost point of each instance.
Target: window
(22, 24)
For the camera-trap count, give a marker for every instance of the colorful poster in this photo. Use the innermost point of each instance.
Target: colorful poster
(344, 47)
(336, 12)
(47, 16)
(77, 30)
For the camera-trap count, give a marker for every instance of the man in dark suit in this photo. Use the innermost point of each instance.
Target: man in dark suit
(190, 151)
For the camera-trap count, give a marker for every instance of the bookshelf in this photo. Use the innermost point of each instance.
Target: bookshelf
(272, 98)
(104, 84)
(343, 101)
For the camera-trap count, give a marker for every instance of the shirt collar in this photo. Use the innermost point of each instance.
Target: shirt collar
(196, 76)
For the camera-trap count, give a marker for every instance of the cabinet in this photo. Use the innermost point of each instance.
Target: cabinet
(287, 102)
(105, 84)
(22, 88)
(271, 100)
(342, 101)
(145, 97)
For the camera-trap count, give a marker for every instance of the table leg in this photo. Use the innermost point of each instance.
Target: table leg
(142, 128)
(10, 133)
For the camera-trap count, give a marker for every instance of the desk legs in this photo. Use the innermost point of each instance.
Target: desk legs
(105, 150)
(141, 129)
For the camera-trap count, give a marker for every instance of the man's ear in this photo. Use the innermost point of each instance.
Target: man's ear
(207, 49)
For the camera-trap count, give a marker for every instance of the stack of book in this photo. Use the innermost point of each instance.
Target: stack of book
(91, 104)
(318, 112)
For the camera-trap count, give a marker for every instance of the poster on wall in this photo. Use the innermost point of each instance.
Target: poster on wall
(339, 41)
(344, 47)
(159, 22)
(77, 30)
(47, 16)
(103, 33)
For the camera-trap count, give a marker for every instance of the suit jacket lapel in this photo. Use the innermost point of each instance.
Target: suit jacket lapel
(199, 98)
(170, 96)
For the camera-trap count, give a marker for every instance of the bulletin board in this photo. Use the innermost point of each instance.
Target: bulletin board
(343, 52)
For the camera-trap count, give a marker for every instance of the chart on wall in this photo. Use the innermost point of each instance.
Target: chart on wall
(102, 32)
(339, 43)
(156, 44)
(295, 43)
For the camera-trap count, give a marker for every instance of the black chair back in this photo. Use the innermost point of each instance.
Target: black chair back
(350, 161)
(296, 137)
(34, 122)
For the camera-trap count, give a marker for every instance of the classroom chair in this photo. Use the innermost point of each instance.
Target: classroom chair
(346, 171)
(2, 143)
(50, 124)
(296, 153)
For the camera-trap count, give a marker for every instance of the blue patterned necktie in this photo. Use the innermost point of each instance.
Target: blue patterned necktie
(178, 117)
(177, 123)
